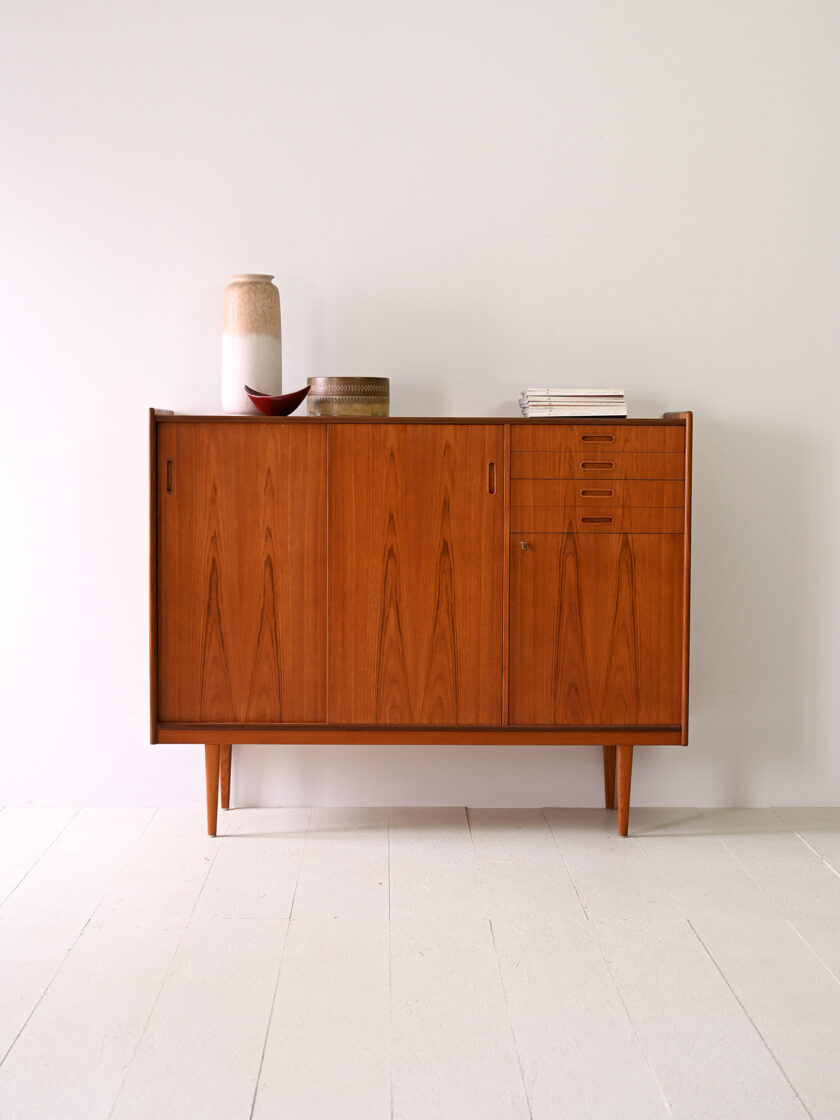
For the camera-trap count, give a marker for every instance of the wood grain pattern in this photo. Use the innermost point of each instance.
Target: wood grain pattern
(579, 492)
(415, 574)
(596, 465)
(242, 574)
(601, 438)
(595, 519)
(596, 629)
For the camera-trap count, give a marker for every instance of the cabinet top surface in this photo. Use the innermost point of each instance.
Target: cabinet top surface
(163, 416)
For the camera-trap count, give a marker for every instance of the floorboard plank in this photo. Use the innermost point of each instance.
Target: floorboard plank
(788, 995)
(74, 1053)
(453, 1052)
(613, 875)
(784, 852)
(565, 1011)
(709, 1058)
(25, 834)
(790, 872)
(523, 878)
(256, 868)
(819, 828)
(700, 870)
(201, 1051)
(326, 1053)
(42, 919)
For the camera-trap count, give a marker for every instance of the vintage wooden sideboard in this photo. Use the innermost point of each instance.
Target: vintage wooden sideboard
(407, 580)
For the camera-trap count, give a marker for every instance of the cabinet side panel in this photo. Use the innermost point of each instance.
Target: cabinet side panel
(506, 583)
(242, 572)
(153, 606)
(416, 538)
(596, 629)
(689, 442)
(687, 419)
(687, 576)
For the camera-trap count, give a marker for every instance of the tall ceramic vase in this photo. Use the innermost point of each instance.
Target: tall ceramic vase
(252, 352)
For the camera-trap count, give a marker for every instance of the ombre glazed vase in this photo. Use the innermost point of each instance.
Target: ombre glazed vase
(252, 350)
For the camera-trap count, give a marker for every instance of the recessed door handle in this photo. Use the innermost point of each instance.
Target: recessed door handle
(491, 477)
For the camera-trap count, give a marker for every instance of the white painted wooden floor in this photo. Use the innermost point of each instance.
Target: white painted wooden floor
(419, 964)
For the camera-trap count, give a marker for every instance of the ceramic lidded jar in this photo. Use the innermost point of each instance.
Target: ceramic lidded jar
(252, 351)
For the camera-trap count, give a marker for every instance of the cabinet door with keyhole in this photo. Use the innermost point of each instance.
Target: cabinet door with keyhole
(241, 572)
(416, 562)
(596, 629)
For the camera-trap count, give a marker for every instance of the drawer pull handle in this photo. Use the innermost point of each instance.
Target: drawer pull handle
(170, 475)
(596, 521)
(605, 466)
(597, 493)
(597, 439)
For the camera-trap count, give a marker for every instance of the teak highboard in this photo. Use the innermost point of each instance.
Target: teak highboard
(409, 580)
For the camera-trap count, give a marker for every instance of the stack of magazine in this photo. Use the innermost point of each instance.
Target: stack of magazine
(572, 402)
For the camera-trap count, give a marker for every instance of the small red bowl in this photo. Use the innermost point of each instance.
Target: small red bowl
(283, 405)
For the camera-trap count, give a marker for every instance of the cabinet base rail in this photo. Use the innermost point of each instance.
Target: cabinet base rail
(618, 769)
(660, 735)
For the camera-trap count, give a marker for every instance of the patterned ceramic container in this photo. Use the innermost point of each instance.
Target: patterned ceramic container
(349, 396)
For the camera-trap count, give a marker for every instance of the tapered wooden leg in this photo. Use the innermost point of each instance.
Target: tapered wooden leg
(624, 770)
(226, 750)
(211, 773)
(609, 777)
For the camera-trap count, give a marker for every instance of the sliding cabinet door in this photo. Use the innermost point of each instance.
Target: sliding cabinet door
(242, 565)
(416, 556)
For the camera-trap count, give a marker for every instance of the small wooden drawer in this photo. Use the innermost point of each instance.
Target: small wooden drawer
(600, 438)
(579, 492)
(599, 465)
(573, 519)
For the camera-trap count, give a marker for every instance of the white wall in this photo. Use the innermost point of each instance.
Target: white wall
(466, 197)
